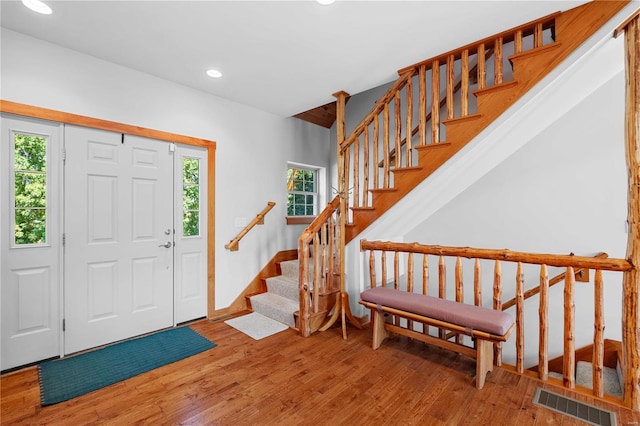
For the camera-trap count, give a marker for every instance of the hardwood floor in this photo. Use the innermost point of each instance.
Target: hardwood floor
(288, 380)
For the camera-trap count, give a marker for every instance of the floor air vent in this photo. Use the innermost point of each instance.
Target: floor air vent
(576, 409)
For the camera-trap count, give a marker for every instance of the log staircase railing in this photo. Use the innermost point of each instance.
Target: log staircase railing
(234, 245)
(431, 93)
(437, 106)
(319, 259)
(409, 260)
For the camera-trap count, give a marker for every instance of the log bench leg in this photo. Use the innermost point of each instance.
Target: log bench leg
(484, 361)
(379, 332)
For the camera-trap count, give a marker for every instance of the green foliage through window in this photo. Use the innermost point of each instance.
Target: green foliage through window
(191, 197)
(30, 189)
(302, 191)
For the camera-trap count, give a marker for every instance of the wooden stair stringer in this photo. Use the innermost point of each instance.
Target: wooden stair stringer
(573, 28)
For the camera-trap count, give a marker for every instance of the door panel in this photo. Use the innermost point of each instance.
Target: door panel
(30, 275)
(191, 241)
(118, 206)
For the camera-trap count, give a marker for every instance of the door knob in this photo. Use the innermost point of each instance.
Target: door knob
(168, 245)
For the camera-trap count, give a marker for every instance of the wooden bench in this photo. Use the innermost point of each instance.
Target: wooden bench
(486, 326)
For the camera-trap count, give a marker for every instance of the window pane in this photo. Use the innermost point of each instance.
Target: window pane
(30, 153)
(301, 199)
(191, 223)
(30, 189)
(30, 226)
(191, 197)
(191, 170)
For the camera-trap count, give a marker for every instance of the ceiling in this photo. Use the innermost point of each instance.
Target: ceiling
(283, 57)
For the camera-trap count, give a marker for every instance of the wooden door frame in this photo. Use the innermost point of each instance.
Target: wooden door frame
(24, 110)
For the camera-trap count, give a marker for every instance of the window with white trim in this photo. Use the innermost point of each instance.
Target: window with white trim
(302, 191)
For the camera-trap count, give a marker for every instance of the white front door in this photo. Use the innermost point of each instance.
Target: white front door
(119, 237)
(30, 274)
(191, 232)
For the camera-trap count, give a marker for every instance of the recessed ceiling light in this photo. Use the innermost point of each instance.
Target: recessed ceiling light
(37, 6)
(325, 2)
(214, 73)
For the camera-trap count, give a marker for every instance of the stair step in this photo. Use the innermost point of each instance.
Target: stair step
(284, 286)
(290, 268)
(275, 307)
(611, 382)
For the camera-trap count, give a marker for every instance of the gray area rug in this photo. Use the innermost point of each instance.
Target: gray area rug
(256, 326)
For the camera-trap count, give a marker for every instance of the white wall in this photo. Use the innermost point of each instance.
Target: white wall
(253, 147)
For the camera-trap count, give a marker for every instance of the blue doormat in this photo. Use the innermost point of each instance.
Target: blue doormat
(67, 378)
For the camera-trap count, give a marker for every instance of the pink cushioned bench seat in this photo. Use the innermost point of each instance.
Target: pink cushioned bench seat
(468, 316)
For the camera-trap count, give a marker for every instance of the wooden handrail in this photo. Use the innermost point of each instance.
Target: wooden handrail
(377, 109)
(233, 245)
(507, 36)
(560, 260)
(316, 225)
(552, 281)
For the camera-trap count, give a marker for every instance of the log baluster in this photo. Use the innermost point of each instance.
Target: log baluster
(481, 76)
(365, 172)
(408, 133)
(442, 287)
(396, 279)
(435, 102)
(464, 87)
(383, 270)
(569, 361)
(519, 319)
(422, 107)
(372, 269)
(425, 284)
(385, 146)
(317, 271)
(410, 280)
(598, 336)
(396, 270)
(537, 35)
(397, 110)
(477, 283)
(517, 42)
(376, 149)
(497, 305)
(459, 288)
(450, 83)
(543, 312)
(356, 171)
(497, 61)
(347, 164)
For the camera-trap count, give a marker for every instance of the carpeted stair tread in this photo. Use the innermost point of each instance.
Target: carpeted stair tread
(290, 269)
(611, 383)
(584, 377)
(284, 286)
(275, 307)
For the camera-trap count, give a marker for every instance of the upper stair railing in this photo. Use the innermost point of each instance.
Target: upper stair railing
(412, 270)
(412, 114)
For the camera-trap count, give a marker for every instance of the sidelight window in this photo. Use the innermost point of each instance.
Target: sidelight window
(191, 197)
(30, 189)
